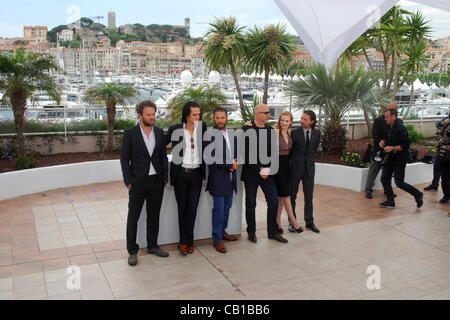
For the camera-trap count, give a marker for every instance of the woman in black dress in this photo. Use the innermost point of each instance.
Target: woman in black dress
(283, 128)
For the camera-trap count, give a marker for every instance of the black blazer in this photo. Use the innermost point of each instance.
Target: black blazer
(249, 170)
(135, 159)
(300, 159)
(397, 135)
(174, 168)
(219, 183)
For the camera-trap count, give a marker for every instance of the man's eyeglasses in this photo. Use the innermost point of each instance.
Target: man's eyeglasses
(266, 113)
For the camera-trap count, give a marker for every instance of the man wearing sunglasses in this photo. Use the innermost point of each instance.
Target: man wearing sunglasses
(259, 174)
(187, 170)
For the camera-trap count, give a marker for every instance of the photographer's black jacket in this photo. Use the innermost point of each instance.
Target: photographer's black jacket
(397, 135)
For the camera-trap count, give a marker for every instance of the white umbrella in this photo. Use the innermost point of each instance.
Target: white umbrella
(329, 27)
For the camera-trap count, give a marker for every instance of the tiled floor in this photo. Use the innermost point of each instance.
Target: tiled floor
(42, 235)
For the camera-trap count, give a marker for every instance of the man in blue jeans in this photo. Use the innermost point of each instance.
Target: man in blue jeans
(222, 180)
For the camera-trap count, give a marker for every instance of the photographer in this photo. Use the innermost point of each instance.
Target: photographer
(396, 146)
(444, 159)
(379, 131)
(434, 186)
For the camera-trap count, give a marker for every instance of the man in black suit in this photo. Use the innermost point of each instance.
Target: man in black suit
(379, 131)
(305, 142)
(258, 173)
(222, 180)
(396, 147)
(187, 170)
(145, 170)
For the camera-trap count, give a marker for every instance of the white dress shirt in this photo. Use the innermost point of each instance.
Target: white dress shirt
(150, 143)
(191, 159)
(227, 139)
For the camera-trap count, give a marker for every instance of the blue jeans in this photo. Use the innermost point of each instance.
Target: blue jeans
(220, 214)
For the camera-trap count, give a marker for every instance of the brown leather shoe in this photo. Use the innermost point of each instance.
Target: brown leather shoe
(183, 249)
(229, 238)
(220, 247)
(190, 249)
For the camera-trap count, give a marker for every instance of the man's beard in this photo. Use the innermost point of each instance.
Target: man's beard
(147, 124)
(222, 127)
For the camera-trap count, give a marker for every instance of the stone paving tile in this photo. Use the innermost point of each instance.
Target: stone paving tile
(42, 235)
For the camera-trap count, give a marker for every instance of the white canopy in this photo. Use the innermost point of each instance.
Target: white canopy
(425, 87)
(434, 86)
(329, 27)
(417, 84)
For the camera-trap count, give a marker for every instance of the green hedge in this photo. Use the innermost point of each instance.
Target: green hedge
(33, 126)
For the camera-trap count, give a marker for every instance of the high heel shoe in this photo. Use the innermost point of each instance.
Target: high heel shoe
(299, 230)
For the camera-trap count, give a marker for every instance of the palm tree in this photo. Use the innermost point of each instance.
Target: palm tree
(336, 91)
(208, 99)
(416, 62)
(21, 76)
(226, 48)
(111, 95)
(268, 49)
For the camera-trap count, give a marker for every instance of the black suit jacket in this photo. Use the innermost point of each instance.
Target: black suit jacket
(250, 170)
(300, 159)
(135, 159)
(175, 168)
(397, 135)
(219, 182)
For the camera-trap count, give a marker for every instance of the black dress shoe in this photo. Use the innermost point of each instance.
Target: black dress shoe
(313, 228)
(419, 201)
(430, 188)
(158, 252)
(132, 260)
(388, 204)
(369, 195)
(278, 238)
(252, 238)
(291, 228)
(444, 200)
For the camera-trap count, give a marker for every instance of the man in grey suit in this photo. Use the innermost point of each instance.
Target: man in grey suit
(305, 142)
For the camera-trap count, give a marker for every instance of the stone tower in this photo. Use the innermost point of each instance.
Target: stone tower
(187, 25)
(111, 20)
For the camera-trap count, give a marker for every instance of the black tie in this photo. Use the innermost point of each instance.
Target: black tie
(307, 140)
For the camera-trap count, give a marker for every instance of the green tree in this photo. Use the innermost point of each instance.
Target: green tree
(111, 95)
(86, 22)
(75, 44)
(207, 98)
(21, 76)
(51, 35)
(225, 48)
(268, 49)
(336, 91)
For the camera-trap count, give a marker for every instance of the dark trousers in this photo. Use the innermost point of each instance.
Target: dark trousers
(445, 174)
(150, 189)
(396, 168)
(187, 194)
(220, 215)
(436, 172)
(269, 188)
(308, 191)
(374, 169)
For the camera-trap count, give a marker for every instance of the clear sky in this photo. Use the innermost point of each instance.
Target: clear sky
(17, 13)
